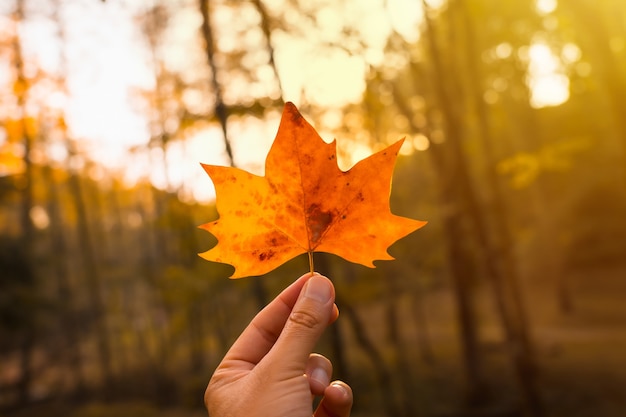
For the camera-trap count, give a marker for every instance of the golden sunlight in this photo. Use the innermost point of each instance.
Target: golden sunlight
(549, 85)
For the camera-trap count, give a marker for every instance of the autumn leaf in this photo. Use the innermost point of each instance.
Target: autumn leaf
(304, 204)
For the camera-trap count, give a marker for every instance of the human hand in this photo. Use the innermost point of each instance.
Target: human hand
(270, 370)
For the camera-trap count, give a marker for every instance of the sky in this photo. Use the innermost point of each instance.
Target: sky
(107, 62)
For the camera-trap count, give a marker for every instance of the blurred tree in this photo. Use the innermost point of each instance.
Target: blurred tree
(459, 102)
(458, 195)
(21, 86)
(221, 111)
(502, 270)
(601, 35)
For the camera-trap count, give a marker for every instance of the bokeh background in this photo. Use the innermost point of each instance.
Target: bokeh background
(510, 302)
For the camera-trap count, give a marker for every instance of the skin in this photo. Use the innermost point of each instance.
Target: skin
(270, 370)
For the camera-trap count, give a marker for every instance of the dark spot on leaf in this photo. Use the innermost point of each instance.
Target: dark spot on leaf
(292, 211)
(277, 239)
(343, 217)
(317, 221)
(330, 158)
(263, 256)
(360, 197)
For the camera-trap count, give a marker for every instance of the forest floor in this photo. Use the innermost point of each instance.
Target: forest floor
(580, 354)
(583, 353)
(581, 357)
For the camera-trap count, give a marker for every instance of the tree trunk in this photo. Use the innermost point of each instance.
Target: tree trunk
(93, 281)
(458, 196)
(394, 324)
(595, 41)
(221, 111)
(266, 27)
(501, 265)
(383, 376)
(27, 229)
(68, 324)
(424, 344)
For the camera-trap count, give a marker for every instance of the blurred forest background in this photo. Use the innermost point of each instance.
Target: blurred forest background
(510, 302)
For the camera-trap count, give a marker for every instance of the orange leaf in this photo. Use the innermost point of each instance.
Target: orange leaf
(304, 204)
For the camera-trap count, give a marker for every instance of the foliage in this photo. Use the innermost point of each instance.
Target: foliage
(521, 267)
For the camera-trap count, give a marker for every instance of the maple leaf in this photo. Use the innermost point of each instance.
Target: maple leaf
(304, 204)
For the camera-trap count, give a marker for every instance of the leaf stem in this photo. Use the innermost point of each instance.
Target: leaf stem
(311, 262)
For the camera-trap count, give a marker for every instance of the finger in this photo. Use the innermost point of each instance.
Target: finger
(334, 315)
(337, 401)
(318, 371)
(310, 315)
(261, 334)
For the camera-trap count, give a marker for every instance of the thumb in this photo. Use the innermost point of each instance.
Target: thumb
(306, 323)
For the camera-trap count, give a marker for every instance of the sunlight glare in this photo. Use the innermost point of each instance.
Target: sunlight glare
(406, 18)
(549, 90)
(108, 66)
(407, 147)
(571, 53)
(503, 50)
(548, 85)
(420, 142)
(355, 152)
(39, 216)
(436, 4)
(338, 78)
(544, 7)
